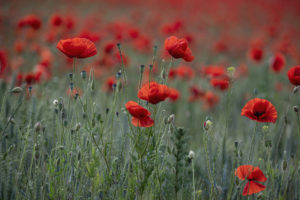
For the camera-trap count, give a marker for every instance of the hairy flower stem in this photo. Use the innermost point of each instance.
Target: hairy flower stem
(252, 143)
(210, 177)
(194, 189)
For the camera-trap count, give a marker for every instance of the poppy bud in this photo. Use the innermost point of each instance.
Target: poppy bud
(236, 144)
(191, 154)
(284, 165)
(296, 89)
(29, 89)
(77, 126)
(171, 118)
(207, 125)
(114, 86)
(17, 90)
(55, 102)
(37, 127)
(70, 76)
(230, 71)
(71, 86)
(83, 74)
(296, 109)
(142, 67)
(119, 74)
(11, 120)
(150, 67)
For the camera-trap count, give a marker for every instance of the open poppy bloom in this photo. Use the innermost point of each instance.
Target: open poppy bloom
(252, 174)
(173, 94)
(260, 110)
(154, 92)
(256, 54)
(178, 48)
(77, 47)
(294, 75)
(220, 83)
(140, 115)
(277, 62)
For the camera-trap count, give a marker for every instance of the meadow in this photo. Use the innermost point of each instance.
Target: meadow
(157, 99)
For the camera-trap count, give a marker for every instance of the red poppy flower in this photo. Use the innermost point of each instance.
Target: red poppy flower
(220, 83)
(3, 61)
(185, 72)
(140, 115)
(277, 62)
(173, 94)
(178, 48)
(294, 75)
(32, 21)
(154, 92)
(214, 71)
(210, 100)
(56, 20)
(252, 174)
(109, 83)
(77, 47)
(260, 110)
(196, 93)
(256, 54)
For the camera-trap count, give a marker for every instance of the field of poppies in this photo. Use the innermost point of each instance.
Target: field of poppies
(156, 99)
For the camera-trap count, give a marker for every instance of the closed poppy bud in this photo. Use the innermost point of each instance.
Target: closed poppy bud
(171, 118)
(55, 102)
(191, 154)
(37, 127)
(284, 165)
(296, 109)
(207, 125)
(17, 90)
(77, 126)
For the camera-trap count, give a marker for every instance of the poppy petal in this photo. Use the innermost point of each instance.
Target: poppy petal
(253, 187)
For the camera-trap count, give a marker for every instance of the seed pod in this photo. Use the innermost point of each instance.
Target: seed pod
(37, 127)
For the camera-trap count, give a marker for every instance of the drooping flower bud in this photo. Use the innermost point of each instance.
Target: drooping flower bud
(207, 125)
(191, 154)
(17, 90)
